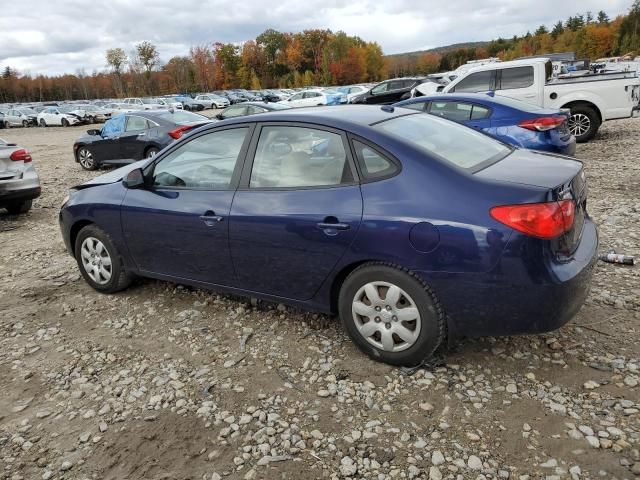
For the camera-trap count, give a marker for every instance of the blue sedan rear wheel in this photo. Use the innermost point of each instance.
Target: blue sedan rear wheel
(391, 314)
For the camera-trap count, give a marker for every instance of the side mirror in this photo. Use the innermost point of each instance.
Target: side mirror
(94, 131)
(220, 116)
(134, 179)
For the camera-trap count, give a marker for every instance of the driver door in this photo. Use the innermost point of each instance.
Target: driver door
(107, 147)
(178, 226)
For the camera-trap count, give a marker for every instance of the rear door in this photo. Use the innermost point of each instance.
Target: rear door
(296, 212)
(519, 83)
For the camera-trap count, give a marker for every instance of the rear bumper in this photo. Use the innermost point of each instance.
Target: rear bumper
(27, 187)
(520, 295)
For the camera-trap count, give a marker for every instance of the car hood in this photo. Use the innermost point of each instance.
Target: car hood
(113, 176)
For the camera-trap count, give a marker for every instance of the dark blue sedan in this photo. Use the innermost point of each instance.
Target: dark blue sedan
(412, 228)
(512, 121)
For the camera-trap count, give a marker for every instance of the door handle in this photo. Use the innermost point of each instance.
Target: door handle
(332, 224)
(210, 218)
(530, 95)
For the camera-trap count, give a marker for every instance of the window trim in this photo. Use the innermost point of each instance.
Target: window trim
(492, 82)
(499, 77)
(383, 153)
(245, 177)
(468, 102)
(149, 169)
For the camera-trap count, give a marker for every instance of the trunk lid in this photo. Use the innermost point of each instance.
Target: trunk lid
(561, 178)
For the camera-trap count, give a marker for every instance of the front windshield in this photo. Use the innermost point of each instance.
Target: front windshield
(27, 111)
(455, 143)
(180, 117)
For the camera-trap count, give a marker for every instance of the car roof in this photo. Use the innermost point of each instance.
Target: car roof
(511, 63)
(344, 117)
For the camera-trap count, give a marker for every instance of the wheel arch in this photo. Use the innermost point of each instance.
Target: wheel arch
(75, 230)
(339, 279)
(584, 103)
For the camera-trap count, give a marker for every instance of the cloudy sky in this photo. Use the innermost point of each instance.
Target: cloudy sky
(63, 36)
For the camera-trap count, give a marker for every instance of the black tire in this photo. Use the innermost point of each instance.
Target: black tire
(187, 108)
(120, 278)
(432, 318)
(581, 116)
(6, 124)
(25, 123)
(65, 122)
(151, 152)
(18, 207)
(43, 123)
(85, 158)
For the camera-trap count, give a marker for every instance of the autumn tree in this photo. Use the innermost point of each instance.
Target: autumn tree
(116, 59)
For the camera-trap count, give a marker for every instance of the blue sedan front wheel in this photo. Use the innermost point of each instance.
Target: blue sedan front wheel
(391, 314)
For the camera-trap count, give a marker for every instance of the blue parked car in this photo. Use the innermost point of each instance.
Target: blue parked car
(412, 228)
(512, 121)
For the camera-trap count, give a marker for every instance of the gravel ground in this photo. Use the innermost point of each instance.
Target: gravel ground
(167, 382)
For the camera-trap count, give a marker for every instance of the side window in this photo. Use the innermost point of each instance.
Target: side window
(236, 111)
(419, 106)
(457, 111)
(206, 162)
(479, 112)
(253, 109)
(136, 123)
(381, 88)
(113, 127)
(297, 96)
(290, 157)
(476, 82)
(372, 164)
(519, 77)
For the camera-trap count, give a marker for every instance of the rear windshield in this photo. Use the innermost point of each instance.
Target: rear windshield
(455, 143)
(181, 117)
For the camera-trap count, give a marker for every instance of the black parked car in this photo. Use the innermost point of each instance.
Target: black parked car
(129, 137)
(250, 108)
(390, 91)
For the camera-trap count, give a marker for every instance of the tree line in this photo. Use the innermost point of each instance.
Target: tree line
(313, 57)
(272, 60)
(588, 35)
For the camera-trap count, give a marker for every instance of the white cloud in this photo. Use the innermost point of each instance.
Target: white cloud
(63, 36)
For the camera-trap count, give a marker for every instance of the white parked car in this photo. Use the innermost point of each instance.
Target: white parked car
(57, 116)
(143, 103)
(315, 97)
(592, 99)
(212, 101)
(169, 103)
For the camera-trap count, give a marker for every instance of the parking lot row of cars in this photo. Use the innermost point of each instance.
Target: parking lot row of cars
(98, 111)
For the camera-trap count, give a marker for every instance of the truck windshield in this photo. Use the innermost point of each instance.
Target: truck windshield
(455, 143)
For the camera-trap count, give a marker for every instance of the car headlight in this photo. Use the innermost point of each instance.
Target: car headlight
(66, 199)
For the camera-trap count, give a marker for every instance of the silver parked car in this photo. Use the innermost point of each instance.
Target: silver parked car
(212, 101)
(20, 117)
(19, 182)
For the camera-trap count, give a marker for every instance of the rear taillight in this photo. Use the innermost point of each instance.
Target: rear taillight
(542, 220)
(542, 124)
(178, 132)
(21, 155)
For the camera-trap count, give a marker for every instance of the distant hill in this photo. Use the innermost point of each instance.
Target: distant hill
(440, 50)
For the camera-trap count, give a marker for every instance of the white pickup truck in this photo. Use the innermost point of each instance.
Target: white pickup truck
(592, 99)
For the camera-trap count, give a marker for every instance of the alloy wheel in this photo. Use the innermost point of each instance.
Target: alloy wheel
(579, 124)
(386, 316)
(86, 158)
(96, 260)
